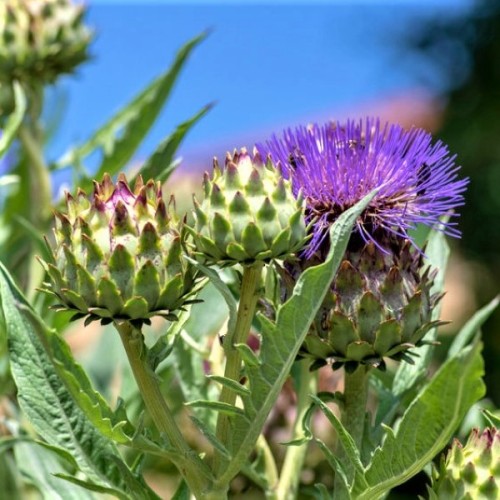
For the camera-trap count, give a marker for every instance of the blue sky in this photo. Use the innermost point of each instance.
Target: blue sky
(266, 66)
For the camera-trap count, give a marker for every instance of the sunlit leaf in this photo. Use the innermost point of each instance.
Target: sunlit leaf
(426, 426)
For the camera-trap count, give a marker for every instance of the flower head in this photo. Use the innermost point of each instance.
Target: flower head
(41, 40)
(334, 166)
(248, 213)
(117, 255)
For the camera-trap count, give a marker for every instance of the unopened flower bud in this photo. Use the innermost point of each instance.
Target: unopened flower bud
(118, 255)
(248, 213)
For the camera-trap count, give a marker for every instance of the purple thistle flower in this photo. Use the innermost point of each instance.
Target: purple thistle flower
(335, 166)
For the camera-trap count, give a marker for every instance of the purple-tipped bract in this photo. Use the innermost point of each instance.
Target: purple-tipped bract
(336, 165)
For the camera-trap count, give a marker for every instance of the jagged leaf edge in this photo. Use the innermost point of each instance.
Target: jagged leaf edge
(39, 466)
(84, 461)
(463, 372)
(350, 448)
(303, 302)
(91, 402)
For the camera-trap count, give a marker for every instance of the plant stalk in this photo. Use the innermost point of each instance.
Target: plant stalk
(149, 387)
(246, 311)
(30, 134)
(295, 455)
(31, 137)
(353, 414)
(39, 179)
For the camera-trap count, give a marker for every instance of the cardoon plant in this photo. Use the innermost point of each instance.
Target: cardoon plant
(216, 325)
(381, 300)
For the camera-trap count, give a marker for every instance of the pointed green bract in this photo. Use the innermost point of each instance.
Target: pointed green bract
(379, 307)
(472, 470)
(118, 254)
(249, 213)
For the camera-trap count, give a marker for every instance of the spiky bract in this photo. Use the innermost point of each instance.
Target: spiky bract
(378, 307)
(470, 472)
(118, 255)
(248, 213)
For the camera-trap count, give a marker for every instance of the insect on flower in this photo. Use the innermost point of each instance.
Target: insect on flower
(380, 302)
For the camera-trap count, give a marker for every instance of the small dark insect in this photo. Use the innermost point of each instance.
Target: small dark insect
(423, 177)
(294, 157)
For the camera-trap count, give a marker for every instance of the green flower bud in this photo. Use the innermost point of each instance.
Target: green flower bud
(248, 213)
(472, 471)
(41, 39)
(118, 255)
(379, 307)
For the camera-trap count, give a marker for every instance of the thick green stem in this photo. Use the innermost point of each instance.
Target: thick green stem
(353, 412)
(157, 407)
(295, 455)
(39, 179)
(30, 134)
(246, 310)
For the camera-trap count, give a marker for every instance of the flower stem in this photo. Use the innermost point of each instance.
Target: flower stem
(295, 455)
(149, 387)
(246, 311)
(30, 134)
(39, 179)
(31, 137)
(353, 413)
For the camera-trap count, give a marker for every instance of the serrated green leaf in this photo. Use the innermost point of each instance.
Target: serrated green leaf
(45, 399)
(210, 435)
(470, 329)
(137, 487)
(122, 134)
(408, 375)
(188, 364)
(281, 343)
(160, 165)
(335, 464)
(188, 357)
(39, 466)
(247, 355)
(93, 405)
(90, 486)
(14, 120)
(426, 426)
